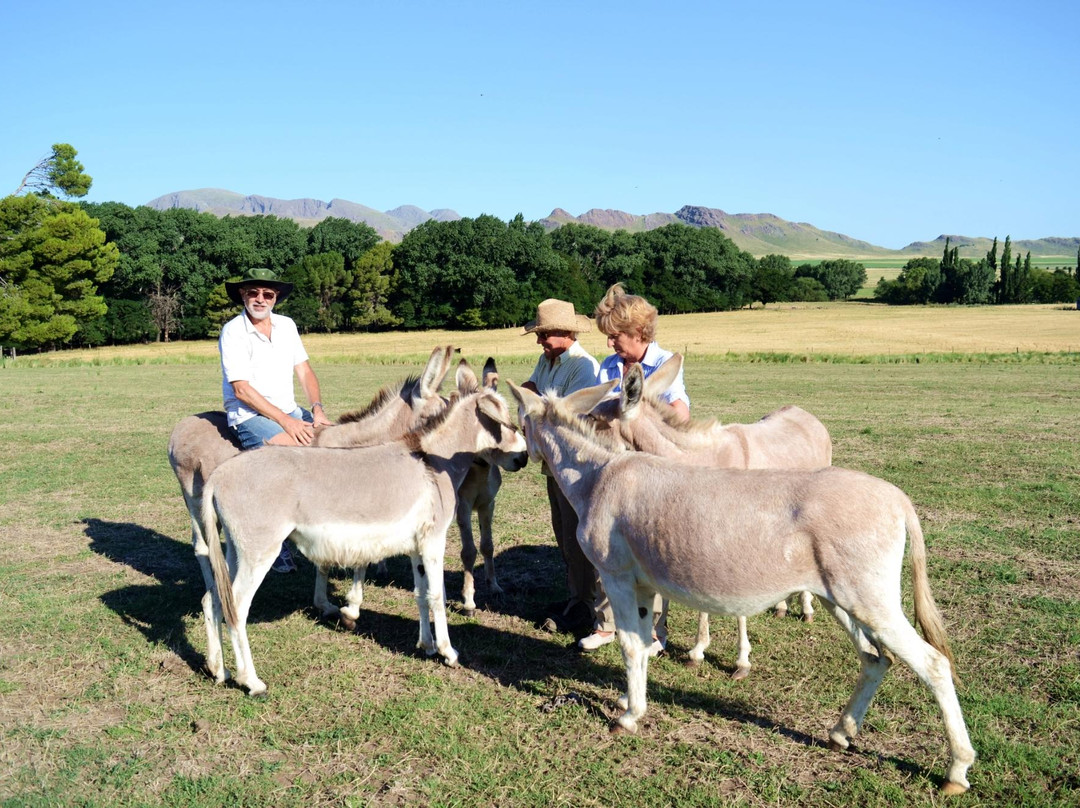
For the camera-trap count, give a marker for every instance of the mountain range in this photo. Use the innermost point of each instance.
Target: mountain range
(757, 233)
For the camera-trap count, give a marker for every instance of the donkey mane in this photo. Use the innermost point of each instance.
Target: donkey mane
(584, 428)
(387, 394)
(672, 419)
(415, 436)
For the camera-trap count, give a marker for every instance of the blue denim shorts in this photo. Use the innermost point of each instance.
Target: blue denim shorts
(257, 430)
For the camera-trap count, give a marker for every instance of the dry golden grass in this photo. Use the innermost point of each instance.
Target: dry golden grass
(851, 329)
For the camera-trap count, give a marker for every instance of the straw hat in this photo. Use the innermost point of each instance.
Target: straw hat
(258, 276)
(557, 315)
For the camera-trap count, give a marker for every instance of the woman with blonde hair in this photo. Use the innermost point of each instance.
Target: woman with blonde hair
(629, 321)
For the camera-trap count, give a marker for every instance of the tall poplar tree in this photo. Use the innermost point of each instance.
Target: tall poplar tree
(1007, 284)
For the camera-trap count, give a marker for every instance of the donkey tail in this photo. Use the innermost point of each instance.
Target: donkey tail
(927, 615)
(222, 582)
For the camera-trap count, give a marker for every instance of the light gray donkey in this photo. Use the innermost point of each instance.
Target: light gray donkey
(349, 508)
(789, 437)
(735, 542)
(200, 443)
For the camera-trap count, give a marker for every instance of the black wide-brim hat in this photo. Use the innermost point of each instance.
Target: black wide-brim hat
(259, 276)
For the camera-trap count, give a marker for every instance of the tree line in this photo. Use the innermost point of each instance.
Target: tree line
(952, 279)
(88, 274)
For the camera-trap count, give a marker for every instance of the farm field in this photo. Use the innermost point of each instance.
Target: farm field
(103, 702)
(844, 330)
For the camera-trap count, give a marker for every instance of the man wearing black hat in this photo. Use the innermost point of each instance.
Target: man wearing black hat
(260, 351)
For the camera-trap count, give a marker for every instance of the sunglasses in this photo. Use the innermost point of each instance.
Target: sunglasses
(265, 294)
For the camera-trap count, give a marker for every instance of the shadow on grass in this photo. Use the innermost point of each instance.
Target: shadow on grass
(159, 610)
(540, 667)
(535, 664)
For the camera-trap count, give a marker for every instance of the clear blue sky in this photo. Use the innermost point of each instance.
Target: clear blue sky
(889, 122)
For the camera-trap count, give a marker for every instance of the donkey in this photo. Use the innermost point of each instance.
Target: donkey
(352, 508)
(200, 443)
(476, 494)
(734, 542)
(786, 438)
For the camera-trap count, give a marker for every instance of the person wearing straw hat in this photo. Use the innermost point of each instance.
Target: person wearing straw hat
(564, 367)
(260, 352)
(629, 321)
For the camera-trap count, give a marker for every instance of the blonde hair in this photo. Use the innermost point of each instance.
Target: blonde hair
(620, 313)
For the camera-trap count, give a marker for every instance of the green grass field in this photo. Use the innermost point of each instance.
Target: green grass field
(103, 702)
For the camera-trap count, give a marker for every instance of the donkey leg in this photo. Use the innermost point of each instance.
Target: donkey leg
(468, 555)
(436, 602)
(742, 661)
(780, 609)
(211, 605)
(633, 625)
(350, 612)
(320, 599)
(485, 515)
(873, 665)
(426, 642)
(807, 599)
(935, 671)
(246, 582)
(697, 653)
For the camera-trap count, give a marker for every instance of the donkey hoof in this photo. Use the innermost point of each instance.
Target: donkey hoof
(741, 672)
(347, 623)
(808, 618)
(469, 611)
(951, 789)
(619, 729)
(836, 746)
(692, 662)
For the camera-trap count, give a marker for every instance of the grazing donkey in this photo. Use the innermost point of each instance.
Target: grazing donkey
(735, 542)
(200, 443)
(787, 438)
(351, 508)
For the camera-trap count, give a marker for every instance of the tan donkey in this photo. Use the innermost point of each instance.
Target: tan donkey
(736, 542)
(789, 437)
(200, 443)
(350, 508)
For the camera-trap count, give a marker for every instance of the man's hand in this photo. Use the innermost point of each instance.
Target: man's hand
(299, 430)
(320, 416)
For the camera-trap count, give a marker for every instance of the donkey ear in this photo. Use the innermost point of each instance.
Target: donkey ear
(435, 370)
(466, 379)
(490, 375)
(664, 376)
(525, 397)
(495, 409)
(585, 399)
(633, 387)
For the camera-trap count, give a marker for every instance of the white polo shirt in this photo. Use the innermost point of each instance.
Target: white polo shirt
(572, 370)
(266, 364)
(655, 356)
